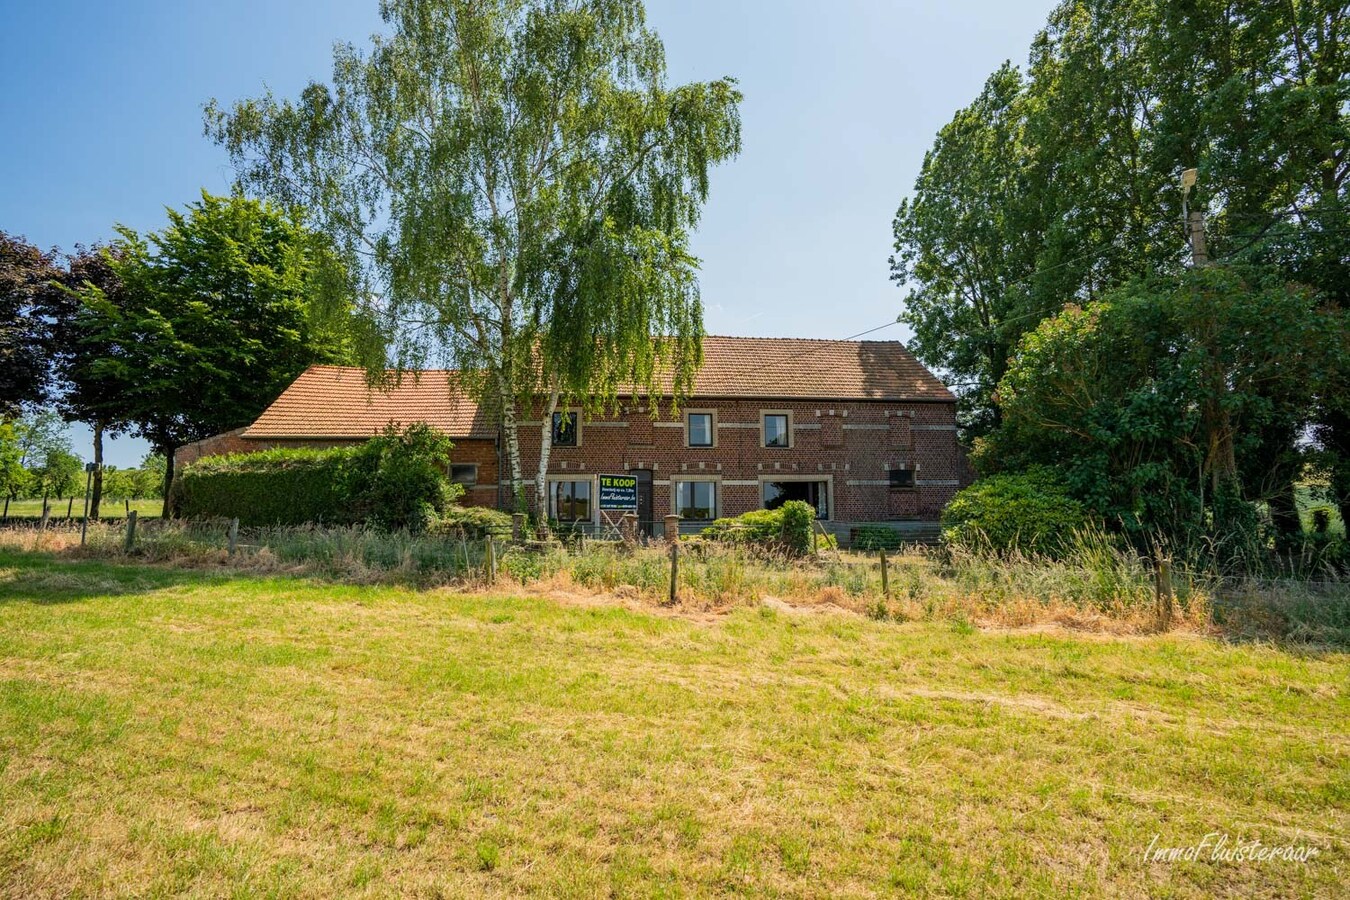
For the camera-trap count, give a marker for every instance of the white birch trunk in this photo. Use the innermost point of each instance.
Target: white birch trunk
(545, 449)
(511, 433)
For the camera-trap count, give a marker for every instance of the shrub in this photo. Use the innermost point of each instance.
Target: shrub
(1029, 511)
(876, 537)
(474, 521)
(787, 528)
(396, 480)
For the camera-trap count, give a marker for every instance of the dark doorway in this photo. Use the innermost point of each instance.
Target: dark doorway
(646, 520)
(812, 493)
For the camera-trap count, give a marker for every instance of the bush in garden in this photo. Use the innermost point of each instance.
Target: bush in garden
(786, 528)
(1030, 511)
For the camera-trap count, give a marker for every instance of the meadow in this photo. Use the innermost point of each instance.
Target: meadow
(211, 731)
(31, 507)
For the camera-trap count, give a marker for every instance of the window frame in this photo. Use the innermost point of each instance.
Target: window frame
(712, 429)
(764, 429)
(713, 480)
(575, 414)
(554, 481)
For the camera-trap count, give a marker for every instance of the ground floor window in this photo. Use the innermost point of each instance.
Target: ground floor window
(696, 500)
(815, 493)
(571, 501)
(465, 474)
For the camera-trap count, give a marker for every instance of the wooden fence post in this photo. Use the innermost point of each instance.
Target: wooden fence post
(233, 536)
(674, 570)
(131, 530)
(1163, 583)
(885, 577)
(491, 560)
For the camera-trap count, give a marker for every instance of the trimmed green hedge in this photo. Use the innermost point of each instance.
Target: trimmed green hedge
(1031, 511)
(395, 480)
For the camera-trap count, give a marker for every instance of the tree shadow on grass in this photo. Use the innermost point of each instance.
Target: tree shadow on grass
(52, 577)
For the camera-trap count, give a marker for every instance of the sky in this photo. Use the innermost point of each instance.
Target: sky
(100, 123)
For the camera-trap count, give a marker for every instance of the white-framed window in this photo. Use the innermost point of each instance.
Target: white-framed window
(571, 501)
(776, 429)
(700, 428)
(695, 500)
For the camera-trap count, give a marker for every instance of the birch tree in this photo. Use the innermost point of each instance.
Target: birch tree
(514, 183)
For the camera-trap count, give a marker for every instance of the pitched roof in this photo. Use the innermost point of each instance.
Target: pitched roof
(801, 368)
(336, 402)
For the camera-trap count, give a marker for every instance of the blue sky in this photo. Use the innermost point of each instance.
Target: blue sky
(101, 123)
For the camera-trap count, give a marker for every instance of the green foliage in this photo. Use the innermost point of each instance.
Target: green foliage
(1160, 402)
(787, 528)
(876, 537)
(396, 480)
(1031, 512)
(26, 276)
(199, 326)
(798, 518)
(528, 182)
(1059, 182)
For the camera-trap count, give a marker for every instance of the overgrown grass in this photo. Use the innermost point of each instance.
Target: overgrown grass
(1097, 587)
(174, 731)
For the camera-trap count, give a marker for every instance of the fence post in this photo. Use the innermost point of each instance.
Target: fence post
(885, 577)
(674, 569)
(131, 530)
(1163, 575)
(491, 560)
(672, 528)
(233, 536)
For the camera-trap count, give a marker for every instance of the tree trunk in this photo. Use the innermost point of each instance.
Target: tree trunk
(96, 495)
(168, 482)
(511, 434)
(545, 448)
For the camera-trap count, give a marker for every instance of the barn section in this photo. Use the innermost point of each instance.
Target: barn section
(334, 406)
(859, 429)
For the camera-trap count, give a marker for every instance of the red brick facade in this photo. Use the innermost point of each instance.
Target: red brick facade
(851, 447)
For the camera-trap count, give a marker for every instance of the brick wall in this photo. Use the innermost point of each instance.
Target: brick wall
(850, 446)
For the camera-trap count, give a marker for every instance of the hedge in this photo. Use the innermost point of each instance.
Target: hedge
(395, 480)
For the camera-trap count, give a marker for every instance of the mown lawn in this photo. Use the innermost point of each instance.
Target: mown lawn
(177, 732)
(115, 509)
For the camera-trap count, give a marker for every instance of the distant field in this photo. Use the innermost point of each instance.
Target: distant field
(110, 508)
(188, 732)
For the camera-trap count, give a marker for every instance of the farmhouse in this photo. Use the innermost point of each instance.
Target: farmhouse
(858, 429)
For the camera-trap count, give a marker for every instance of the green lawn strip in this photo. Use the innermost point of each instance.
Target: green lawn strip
(169, 731)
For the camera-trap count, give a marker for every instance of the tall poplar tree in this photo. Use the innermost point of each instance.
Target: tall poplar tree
(515, 183)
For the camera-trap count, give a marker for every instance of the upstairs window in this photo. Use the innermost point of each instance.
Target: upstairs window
(777, 430)
(564, 429)
(699, 429)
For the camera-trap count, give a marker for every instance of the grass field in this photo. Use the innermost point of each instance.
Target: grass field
(168, 731)
(110, 508)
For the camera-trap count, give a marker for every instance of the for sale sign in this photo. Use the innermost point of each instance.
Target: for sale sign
(618, 492)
